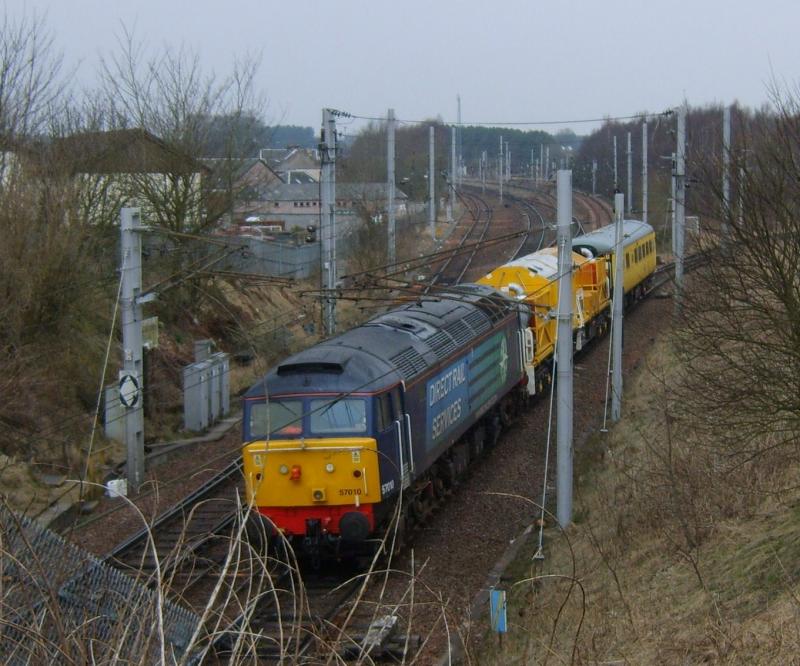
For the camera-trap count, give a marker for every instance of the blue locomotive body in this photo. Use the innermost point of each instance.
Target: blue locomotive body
(399, 404)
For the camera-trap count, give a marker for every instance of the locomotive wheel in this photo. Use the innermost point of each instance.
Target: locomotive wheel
(439, 487)
(506, 412)
(399, 536)
(417, 510)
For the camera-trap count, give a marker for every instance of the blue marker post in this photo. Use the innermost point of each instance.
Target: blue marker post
(497, 611)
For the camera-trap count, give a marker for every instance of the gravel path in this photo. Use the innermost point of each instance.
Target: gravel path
(170, 480)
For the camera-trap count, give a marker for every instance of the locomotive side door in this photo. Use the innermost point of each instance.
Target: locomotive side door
(402, 423)
(394, 441)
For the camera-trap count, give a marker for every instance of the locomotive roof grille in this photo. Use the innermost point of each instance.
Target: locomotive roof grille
(409, 362)
(461, 333)
(442, 344)
(478, 322)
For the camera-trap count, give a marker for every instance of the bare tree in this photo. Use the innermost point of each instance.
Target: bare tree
(740, 335)
(170, 96)
(29, 77)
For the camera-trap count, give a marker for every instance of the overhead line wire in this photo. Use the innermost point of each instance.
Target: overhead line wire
(522, 123)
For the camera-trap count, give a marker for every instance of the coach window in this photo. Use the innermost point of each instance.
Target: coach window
(627, 260)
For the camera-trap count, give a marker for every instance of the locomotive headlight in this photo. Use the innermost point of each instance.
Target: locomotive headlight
(283, 469)
(329, 467)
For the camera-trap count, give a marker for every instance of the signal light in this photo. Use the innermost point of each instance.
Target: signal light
(294, 475)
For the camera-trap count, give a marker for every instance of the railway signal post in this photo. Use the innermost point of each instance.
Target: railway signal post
(431, 181)
(131, 378)
(629, 197)
(328, 218)
(564, 350)
(451, 181)
(500, 169)
(680, 204)
(390, 194)
(644, 170)
(726, 171)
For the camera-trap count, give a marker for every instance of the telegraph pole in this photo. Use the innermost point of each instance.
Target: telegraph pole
(508, 163)
(594, 177)
(680, 203)
(564, 350)
(328, 218)
(131, 377)
(390, 182)
(616, 317)
(644, 170)
(485, 162)
(629, 197)
(726, 171)
(500, 169)
(616, 182)
(431, 179)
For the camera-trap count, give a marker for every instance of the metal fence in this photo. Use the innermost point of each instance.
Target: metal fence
(243, 254)
(263, 257)
(60, 604)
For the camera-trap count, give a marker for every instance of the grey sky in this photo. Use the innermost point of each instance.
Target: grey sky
(510, 61)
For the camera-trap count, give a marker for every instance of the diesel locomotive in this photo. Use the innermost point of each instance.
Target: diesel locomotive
(399, 406)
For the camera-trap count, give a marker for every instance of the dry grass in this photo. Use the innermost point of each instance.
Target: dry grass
(117, 619)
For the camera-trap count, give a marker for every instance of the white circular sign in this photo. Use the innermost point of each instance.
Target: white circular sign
(128, 390)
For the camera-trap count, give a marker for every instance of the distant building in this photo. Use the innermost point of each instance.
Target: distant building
(298, 205)
(293, 165)
(236, 186)
(130, 167)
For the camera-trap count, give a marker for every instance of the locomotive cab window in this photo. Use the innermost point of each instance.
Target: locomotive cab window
(277, 417)
(383, 410)
(345, 415)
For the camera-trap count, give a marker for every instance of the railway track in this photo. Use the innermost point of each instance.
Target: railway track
(288, 614)
(477, 218)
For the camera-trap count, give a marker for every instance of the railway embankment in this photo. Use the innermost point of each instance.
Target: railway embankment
(675, 555)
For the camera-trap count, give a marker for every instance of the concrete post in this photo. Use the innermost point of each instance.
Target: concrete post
(431, 182)
(131, 384)
(616, 322)
(564, 349)
(680, 204)
(644, 171)
(328, 221)
(391, 253)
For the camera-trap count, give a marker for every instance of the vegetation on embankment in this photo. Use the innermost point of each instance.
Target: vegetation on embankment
(675, 556)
